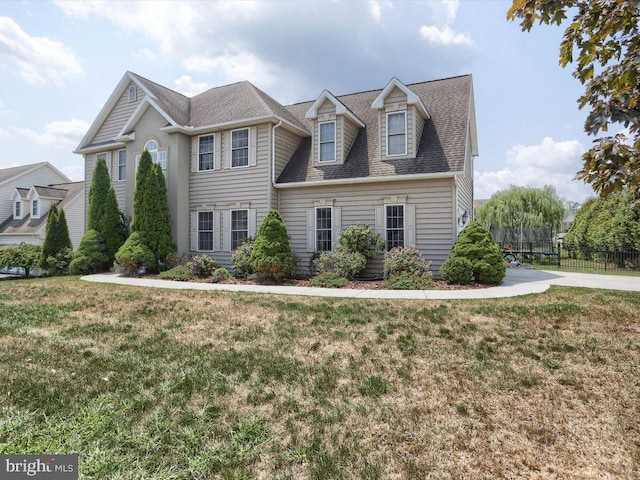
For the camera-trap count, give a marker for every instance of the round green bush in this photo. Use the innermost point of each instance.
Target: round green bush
(476, 245)
(91, 256)
(134, 255)
(360, 238)
(328, 280)
(220, 275)
(342, 263)
(457, 270)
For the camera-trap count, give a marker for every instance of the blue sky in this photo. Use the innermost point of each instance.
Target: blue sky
(60, 61)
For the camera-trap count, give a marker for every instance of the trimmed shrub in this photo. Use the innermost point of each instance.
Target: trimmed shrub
(181, 273)
(410, 282)
(360, 238)
(271, 257)
(405, 261)
(328, 280)
(341, 262)
(457, 270)
(476, 245)
(202, 266)
(134, 255)
(220, 275)
(241, 259)
(25, 256)
(58, 264)
(91, 256)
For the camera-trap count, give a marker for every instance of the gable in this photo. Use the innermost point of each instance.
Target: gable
(118, 116)
(395, 96)
(326, 107)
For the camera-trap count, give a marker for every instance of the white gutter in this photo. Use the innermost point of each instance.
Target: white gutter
(273, 159)
(190, 130)
(351, 181)
(100, 148)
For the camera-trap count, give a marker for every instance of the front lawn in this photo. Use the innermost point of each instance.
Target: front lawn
(145, 383)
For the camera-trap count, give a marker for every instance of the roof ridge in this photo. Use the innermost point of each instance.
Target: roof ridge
(158, 84)
(257, 92)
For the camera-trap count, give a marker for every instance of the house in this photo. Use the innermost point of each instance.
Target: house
(399, 159)
(26, 195)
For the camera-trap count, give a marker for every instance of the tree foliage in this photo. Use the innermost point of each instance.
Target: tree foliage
(134, 255)
(104, 215)
(271, 256)
(476, 245)
(151, 215)
(533, 207)
(25, 256)
(613, 222)
(603, 39)
(56, 241)
(91, 256)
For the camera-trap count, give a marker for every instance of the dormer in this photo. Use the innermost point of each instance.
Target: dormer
(401, 119)
(42, 198)
(19, 202)
(335, 128)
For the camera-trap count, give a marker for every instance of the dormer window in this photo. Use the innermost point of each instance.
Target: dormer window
(133, 94)
(34, 208)
(18, 209)
(396, 133)
(327, 143)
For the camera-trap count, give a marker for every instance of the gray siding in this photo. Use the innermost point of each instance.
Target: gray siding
(349, 133)
(286, 144)
(432, 200)
(395, 96)
(75, 215)
(326, 107)
(465, 184)
(119, 115)
(230, 188)
(419, 126)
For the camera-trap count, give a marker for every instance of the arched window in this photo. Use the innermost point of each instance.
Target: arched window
(133, 94)
(157, 156)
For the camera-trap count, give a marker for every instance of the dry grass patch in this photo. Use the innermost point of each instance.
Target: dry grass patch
(183, 384)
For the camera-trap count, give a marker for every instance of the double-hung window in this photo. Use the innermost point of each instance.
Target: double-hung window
(327, 143)
(240, 148)
(34, 208)
(205, 152)
(324, 229)
(394, 226)
(205, 231)
(396, 133)
(122, 164)
(239, 227)
(18, 209)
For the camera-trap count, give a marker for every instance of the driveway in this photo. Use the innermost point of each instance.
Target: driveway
(517, 282)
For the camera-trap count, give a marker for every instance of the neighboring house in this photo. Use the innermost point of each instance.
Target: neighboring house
(567, 221)
(26, 195)
(399, 159)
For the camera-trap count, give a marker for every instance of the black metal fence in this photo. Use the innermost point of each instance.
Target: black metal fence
(556, 255)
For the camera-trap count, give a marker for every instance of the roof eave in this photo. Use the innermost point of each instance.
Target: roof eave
(372, 179)
(190, 130)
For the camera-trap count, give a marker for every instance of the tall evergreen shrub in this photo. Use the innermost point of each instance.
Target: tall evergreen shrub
(271, 256)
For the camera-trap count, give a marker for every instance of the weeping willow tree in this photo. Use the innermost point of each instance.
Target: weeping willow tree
(517, 210)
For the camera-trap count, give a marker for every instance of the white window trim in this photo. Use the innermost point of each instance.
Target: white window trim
(132, 90)
(335, 143)
(248, 147)
(405, 134)
(231, 224)
(35, 212)
(159, 150)
(404, 222)
(213, 230)
(17, 203)
(120, 179)
(315, 228)
(213, 153)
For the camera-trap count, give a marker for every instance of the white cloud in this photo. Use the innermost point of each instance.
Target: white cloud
(38, 60)
(188, 87)
(548, 163)
(61, 134)
(444, 36)
(375, 10)
(4, 134)
(443, 14)
(144, 54)
(74, 172)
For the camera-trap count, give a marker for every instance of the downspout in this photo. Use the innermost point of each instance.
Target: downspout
(273, 161)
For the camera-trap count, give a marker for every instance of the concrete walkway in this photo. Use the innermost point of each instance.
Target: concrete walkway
(517, 282)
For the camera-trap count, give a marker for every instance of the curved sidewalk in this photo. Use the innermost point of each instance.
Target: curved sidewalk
(517, 282)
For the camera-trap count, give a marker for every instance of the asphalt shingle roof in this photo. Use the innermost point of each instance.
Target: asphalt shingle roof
(442, 145)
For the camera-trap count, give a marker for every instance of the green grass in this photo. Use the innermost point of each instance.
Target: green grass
(144, 383)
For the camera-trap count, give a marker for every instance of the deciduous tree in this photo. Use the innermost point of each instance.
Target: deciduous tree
(603, 39)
